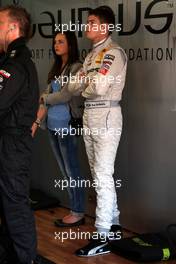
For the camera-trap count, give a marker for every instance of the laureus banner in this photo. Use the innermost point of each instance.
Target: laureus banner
(147, 28)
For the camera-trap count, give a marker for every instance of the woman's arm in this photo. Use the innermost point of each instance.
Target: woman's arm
(41, 114)
(64, 95)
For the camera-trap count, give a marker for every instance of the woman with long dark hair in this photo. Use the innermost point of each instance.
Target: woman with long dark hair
(56, 104)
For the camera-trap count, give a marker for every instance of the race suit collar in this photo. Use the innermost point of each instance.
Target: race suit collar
(105, 40)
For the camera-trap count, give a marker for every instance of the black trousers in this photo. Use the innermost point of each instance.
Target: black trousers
(18, 224)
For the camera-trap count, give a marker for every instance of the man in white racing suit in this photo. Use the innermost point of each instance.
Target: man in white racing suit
(102, 80)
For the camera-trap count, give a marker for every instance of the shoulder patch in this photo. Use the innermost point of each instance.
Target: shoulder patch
(5, 74)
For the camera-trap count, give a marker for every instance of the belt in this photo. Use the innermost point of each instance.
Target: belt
(101, 104)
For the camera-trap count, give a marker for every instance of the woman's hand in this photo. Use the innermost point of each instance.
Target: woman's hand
(34, 129)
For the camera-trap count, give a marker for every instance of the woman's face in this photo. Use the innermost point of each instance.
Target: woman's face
(60, 44)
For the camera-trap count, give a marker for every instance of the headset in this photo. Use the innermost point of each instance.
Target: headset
(12, 28)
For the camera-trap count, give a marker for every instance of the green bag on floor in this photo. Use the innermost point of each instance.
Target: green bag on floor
(147, 247)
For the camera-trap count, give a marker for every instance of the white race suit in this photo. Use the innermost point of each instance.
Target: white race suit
(105, 66)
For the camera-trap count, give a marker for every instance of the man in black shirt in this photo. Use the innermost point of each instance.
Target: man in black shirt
(19, 95)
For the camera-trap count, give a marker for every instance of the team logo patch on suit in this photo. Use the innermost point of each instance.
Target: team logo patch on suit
(5, 74)
(109, 57)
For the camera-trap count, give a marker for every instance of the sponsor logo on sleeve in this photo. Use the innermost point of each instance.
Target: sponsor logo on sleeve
(103, 71)
(107, 62)
(105, 67)
(109, 57)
